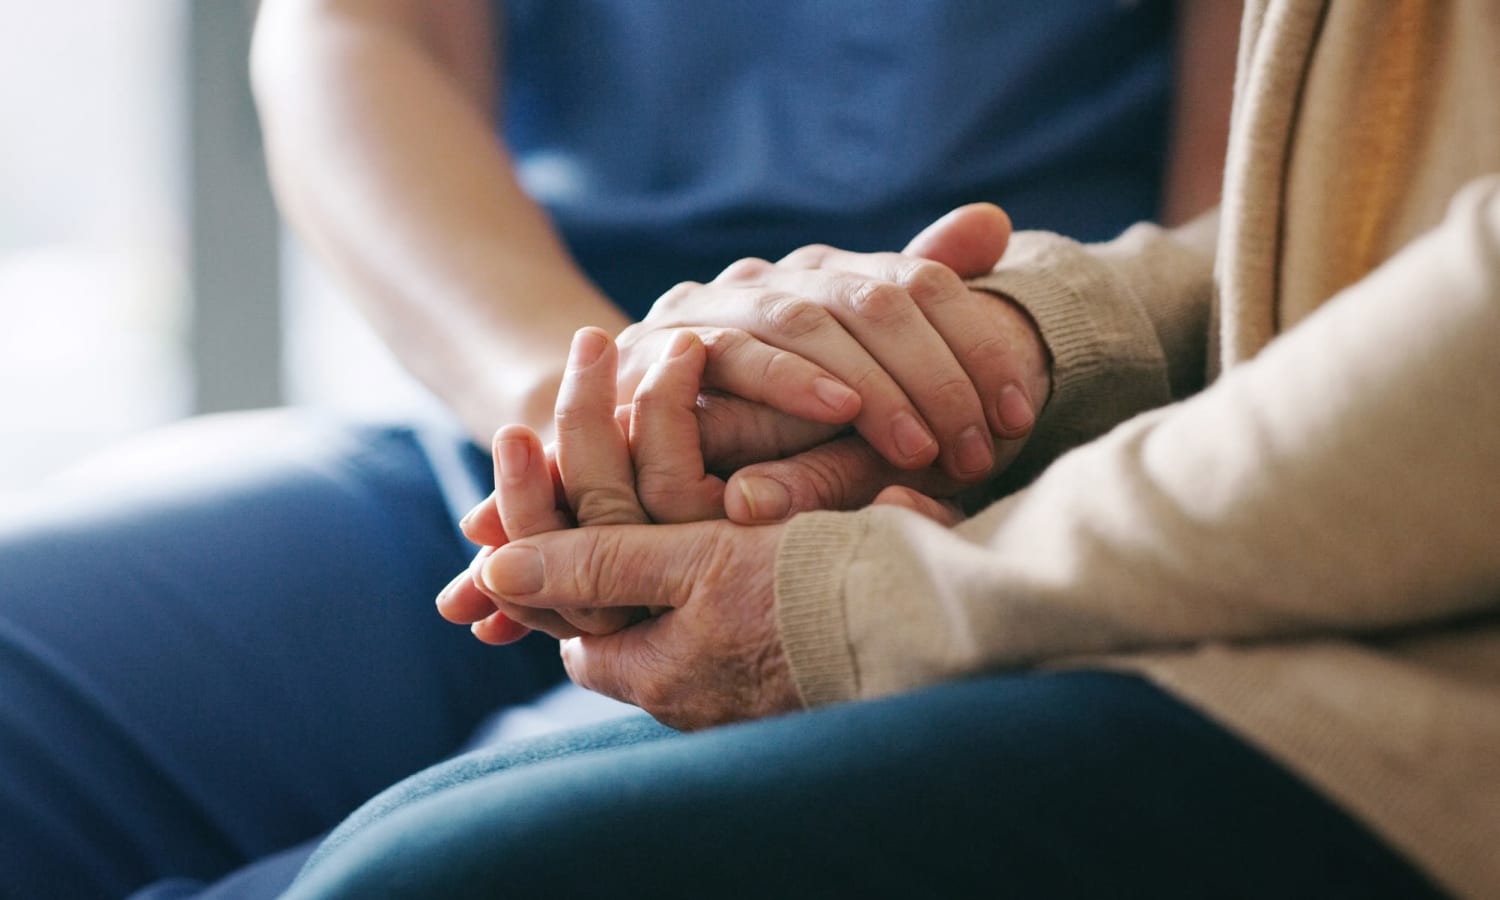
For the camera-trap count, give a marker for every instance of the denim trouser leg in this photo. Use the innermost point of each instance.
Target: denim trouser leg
(219, 643)
(1081, 785)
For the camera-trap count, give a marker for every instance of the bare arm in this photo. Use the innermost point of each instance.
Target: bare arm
(379, 131)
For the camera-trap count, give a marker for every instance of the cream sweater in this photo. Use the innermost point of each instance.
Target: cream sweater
(1308, 547)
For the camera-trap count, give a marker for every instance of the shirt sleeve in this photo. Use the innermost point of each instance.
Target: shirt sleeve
(1345, 481)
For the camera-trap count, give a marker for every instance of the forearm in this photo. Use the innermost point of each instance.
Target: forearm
(380, 144)
(1340, 484)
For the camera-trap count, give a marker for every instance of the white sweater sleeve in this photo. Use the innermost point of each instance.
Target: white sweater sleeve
(1345, 481)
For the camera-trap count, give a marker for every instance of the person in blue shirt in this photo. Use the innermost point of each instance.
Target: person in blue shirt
(487, 179)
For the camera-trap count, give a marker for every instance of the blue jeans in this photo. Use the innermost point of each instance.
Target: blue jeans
(1057, 785)
(218, 645)
(215, 649)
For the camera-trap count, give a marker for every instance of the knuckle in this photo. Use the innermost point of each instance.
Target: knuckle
(795, 317)
(746, 269)
(780, 367)
(821, 484)
(931, 282)
(660, 493)
(953, 393)
(879, 302)
(989, 352)
(810, 256)
(607, 506)
(675, 297)
(720, 342)
(573, 416)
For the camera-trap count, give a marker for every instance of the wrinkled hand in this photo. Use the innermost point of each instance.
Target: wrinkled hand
(591, 477)
(713, 655)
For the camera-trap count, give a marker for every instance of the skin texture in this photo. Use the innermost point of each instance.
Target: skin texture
(677, 619)
(1001, 363)
(378, 116)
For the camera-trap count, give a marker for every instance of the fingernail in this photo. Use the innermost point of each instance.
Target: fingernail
(463, 523)
(513, 571)
(767, 499)
(975, 453)
(834, 394)
(588, 346)
(1014, 410)
(448, 588)
(912, 439)
(515, 459)
(679, 344)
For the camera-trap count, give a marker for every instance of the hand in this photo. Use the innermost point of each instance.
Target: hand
(590, 477)
(713, 655)
(920, 348)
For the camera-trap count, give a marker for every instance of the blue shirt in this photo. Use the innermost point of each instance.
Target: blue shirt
(668, 138)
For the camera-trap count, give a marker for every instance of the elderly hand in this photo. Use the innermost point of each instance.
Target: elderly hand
(591, 478)
(678, 619)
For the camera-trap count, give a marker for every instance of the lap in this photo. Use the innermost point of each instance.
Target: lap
(1052, 785)
(217, 642)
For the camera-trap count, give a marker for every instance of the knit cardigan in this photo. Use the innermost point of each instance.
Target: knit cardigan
(1269, 471)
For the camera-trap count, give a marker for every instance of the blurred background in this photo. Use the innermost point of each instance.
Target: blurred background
(144, 275)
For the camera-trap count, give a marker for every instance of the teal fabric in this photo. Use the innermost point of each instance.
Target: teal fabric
(668, 138)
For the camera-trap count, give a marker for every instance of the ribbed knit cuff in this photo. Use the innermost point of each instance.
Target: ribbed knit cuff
(1105, 365)
(815, 552)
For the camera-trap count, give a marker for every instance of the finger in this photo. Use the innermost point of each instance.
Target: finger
(992, 338)
(872, 297)
(944, 513)
(613, 665)
(842, 474)
(664, 443)
(593, 460)
(527, 501)
(461, 602)
(735, 433)
(548, 621)
(616, 566)
(740, 364)
(482, 523)
(969, 240)
(795, 318)
(497, 629)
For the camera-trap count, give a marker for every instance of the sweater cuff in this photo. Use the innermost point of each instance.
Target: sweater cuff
(811, 561)
(1095, 335)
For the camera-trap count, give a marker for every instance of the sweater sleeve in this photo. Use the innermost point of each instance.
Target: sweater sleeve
(1345, 481)
(1125, 323)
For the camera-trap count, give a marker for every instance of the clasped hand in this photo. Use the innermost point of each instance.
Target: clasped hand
(679, 618)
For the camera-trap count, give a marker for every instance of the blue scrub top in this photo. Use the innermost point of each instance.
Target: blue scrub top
(670, 137)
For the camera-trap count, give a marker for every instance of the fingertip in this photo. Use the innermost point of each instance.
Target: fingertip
(842, 402)
(1014, 415)
(682, 341)
(497, 630)
(589, 344)
(913, 443)
(757, 500)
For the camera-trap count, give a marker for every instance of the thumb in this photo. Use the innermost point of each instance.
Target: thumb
(969, 240)
(845, 473)
(941, 512)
